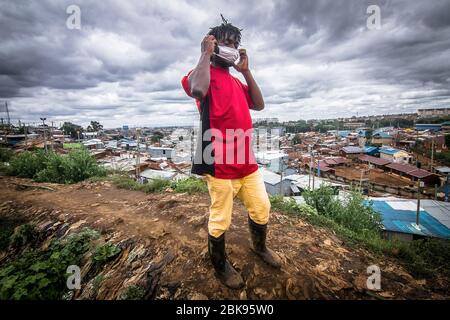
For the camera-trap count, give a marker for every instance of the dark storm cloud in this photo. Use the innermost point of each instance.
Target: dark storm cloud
(312, 58)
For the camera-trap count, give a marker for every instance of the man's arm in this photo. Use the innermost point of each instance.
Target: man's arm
(253, 88)
(200, 77)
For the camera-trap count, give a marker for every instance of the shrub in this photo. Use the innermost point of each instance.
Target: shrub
(27, 164)
(190, 185)
(24, 234)
(132, 293)
(105, 253)
(78, 165)
(5, 154)
(358, 225)
(42, 274)
(7, 226)
(350, 212)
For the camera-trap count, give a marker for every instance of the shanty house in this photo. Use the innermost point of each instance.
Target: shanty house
(395, 155)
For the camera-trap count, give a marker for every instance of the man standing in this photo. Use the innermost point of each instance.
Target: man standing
(224, 154)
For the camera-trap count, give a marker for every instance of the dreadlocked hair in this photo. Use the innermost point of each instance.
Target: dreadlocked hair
(224, 30)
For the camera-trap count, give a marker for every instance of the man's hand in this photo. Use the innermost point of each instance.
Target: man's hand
(242, 65)
(208, 45)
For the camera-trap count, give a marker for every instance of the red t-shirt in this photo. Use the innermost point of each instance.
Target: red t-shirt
(225, 113)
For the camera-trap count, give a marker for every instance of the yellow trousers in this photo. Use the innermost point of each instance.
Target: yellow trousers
(249, 189)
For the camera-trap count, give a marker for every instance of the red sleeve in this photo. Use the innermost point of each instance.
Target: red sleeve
(247, 94)
(185, 84)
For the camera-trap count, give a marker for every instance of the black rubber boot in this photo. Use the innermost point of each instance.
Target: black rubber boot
(258, 233)
(224, 270)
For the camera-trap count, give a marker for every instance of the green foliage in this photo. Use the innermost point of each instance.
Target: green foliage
(94, 127)
(350, 212)
(73, 145)
(133, 293)
(27, 164)
(447, 140)
(190, 185)
(78, 165)
(5, 154)
(105, 253)
(7, 226)
(41, 275)
(156, 137)
(24, 234)
(156, 185)
(72, 129)
(297, 139)
(97, 282)
(421, 257)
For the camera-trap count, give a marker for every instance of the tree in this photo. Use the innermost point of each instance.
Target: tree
(447, 140)
(296, 139)
(95, 126)
(156, 137)
(71, 129)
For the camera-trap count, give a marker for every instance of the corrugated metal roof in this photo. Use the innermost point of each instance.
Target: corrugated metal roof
(390, 150)
(443, 169)
(410, 170)
(270, 177)
(399, 215)
(369, 149)
(374, 160)
(383, 135)
(352, 150)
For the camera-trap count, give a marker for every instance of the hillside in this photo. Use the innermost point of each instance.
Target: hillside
(163, 252)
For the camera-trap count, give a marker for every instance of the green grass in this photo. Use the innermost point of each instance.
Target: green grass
(423, 258)
(73, 146)
(189, 185)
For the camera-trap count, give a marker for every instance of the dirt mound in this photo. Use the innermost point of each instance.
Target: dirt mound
(164, 248)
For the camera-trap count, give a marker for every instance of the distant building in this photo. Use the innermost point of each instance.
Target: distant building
(89, 135)
(161, 152)
(399, 218)
(352, 152)
(428, 126)
(265, 120)
(445, 126)
(343, 133)
(272, 159)
(354, 125)
(395, 155)
(381, 138)
(275, 186)
(436, 112)
(94, 144)
(371, 150)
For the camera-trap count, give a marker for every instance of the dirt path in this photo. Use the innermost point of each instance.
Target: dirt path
(172, 228)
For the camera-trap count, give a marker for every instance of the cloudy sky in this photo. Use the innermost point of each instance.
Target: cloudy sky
(311, 58)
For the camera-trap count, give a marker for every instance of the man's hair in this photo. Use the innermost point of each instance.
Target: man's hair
(225, 30)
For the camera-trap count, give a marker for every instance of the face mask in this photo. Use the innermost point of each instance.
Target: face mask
(228, 54)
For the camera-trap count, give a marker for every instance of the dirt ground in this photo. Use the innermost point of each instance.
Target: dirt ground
(167, 234)
(375, 175)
